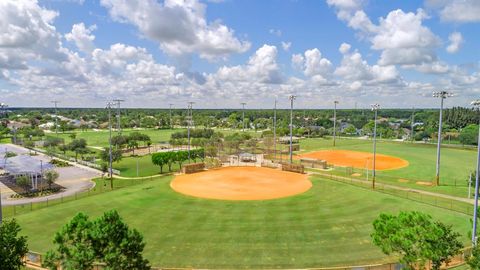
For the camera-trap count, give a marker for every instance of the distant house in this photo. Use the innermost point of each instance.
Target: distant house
(47, 125)
(17, 125)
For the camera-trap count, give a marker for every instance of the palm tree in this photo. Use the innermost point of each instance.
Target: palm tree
(23, 181)
(50, 177)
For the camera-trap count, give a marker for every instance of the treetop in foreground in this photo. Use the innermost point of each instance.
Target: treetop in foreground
(416, 238)
(108, 240)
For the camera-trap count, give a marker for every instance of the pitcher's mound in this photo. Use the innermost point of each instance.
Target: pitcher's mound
(241, 183)
(358, 159)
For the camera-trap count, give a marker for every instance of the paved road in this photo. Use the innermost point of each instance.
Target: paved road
(74, 179)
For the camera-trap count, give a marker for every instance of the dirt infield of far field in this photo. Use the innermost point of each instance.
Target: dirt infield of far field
(357, 159)
(241, 183)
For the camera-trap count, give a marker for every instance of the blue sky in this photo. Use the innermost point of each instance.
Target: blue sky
(220, 53)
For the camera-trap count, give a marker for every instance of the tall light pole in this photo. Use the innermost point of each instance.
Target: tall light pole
(375, 108)
(275, 131)
(476, 104)
(2, 106)
(334, 121)
(119, 124)
(243, 116)
(56, 116)
(189, 120)
(292, 98)
(171, 124)
(442, 95)
(110, 159)
(412, 125)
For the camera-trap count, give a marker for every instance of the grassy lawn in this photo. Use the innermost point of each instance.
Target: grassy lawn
(128, 166)
(456, 164)
(327, 226)
(100, 138)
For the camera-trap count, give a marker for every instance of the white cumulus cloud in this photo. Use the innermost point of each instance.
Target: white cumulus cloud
(179, 26)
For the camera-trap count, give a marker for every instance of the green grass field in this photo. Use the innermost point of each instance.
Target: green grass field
(100, 138)
(128, 166)
(456, 164)
(329, 225)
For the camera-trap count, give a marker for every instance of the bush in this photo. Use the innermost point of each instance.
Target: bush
(59, 163)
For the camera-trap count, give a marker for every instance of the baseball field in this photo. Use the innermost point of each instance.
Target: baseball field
(328, 224)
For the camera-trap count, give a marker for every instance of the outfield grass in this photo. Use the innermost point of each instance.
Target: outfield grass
(327, 226)
(100, 138)
(456, 164)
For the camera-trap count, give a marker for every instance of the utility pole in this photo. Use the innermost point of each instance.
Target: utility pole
(171, 123)
(275, 131)
(442, 95)
(292, 98)
(334, 121)
(110, 161)
(56, 117)
(189, 120)
(476, 104)
(375, 108)
(119, 124)
(243, 115)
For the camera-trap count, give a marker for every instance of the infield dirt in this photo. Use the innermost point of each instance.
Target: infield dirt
(241, 183)
(357, 159)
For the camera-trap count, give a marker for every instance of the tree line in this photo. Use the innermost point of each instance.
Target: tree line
(169, 158)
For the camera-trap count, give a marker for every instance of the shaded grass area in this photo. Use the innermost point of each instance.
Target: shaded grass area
(328, 225)
(128, 166)
(456, 164)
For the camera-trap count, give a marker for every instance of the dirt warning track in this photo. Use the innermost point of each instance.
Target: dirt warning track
(357, 159)
(241, 183)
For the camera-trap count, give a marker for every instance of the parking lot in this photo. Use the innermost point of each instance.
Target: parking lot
(73, 179)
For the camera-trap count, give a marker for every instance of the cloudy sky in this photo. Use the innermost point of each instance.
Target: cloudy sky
(219, 53)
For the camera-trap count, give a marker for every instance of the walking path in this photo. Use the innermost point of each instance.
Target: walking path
(433, 194)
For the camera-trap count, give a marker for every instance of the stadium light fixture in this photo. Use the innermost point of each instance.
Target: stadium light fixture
(334, 121)
(291, 98)
(56, 116)
(2, 106)
(189, 122)
(243, 116)
(119, 124)
(442, 95)
(171, 123)
(110, 104)
(476, 104)
(275, 131)
(375, 108)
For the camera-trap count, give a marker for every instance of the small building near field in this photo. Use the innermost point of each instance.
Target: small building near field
(25, 165)
(247, 157)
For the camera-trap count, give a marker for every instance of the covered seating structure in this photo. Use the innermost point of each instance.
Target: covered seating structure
(25, 165)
